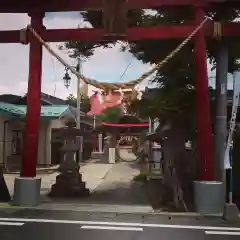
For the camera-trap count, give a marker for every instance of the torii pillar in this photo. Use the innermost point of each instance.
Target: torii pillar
(208, 193)
(205, 146)
(27, 186)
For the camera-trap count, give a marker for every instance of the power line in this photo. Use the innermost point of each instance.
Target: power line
(124, 72)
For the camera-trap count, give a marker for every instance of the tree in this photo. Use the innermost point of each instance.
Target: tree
(111, 115)
(174, 101)
(87, 48)
(85, 102)
(174, 86)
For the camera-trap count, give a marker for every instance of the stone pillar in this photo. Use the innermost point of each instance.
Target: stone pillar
(112, 149)
(4, 193)
(100, 143)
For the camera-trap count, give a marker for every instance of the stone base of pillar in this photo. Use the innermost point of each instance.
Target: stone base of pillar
(209, 197)
(4, 193)
(231, 212)
(27, 191)
(69, 185)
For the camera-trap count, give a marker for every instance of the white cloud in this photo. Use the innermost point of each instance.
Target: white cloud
(105, 65)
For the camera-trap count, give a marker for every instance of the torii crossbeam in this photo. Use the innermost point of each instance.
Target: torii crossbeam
(36, 10)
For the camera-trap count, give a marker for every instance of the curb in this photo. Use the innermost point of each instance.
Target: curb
(9, 206)
(38, 172)
(152, 213)
(185, 214)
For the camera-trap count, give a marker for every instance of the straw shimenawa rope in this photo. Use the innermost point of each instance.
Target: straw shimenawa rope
(115, 86)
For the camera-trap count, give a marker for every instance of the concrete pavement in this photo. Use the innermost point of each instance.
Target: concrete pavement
(115, 193)
(119, 187)
(116, 209)
(126, 154)
(112, 190)
(63, 225)
(93, 175)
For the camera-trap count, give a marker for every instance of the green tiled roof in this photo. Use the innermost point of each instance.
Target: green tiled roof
(53, 111)
(20, 110)
(7, 108)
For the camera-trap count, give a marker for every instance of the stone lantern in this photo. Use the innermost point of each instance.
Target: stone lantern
(155, 156)
(69, 182)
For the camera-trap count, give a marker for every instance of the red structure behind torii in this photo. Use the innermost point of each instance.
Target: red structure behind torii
(36, 11)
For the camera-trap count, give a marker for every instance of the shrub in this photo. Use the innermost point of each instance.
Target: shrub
(141, 177)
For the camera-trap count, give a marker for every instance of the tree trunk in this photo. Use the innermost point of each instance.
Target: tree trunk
(178, 166)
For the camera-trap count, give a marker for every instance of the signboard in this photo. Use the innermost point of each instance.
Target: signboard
(235, 103)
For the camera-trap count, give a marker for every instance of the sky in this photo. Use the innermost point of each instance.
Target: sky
(106, 64)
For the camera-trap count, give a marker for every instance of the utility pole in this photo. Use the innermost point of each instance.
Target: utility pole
(221, 110)
(78, 117)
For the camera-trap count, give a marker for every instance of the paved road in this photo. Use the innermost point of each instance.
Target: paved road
(64, 225)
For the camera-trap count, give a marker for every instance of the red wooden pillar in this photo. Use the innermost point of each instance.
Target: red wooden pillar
(30, 148)
(94, 143)
(204, 125)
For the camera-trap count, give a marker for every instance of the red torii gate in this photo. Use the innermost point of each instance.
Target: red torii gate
(36, 11)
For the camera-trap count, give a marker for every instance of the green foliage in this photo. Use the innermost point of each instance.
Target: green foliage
(141, 177)
(85, 102)
(174, 99)
(155, 50)
(86, 48)
(163, 16)
(128, 119)
(111, 115)
(144, 108)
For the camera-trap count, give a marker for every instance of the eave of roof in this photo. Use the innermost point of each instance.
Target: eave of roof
(19, 111)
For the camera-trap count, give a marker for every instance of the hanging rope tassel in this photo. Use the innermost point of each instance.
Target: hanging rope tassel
(217, 30)
(115, 17)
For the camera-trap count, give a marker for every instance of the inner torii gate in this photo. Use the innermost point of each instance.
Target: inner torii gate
(36, 10)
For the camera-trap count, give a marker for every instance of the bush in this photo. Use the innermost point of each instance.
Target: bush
(141, 177)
